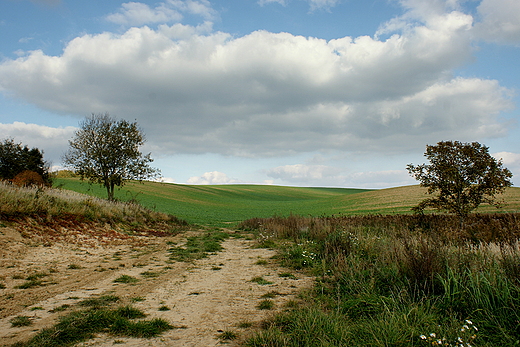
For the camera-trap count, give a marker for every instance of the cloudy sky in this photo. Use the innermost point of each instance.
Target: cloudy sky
(339, 93)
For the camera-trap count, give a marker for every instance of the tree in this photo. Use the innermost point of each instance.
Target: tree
(464, 174)
(15, 159)
(106, 151)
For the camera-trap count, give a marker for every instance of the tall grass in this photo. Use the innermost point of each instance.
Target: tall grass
(387, 280)
(48, 204)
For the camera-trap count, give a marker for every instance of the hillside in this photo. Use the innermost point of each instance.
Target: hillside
(224, 204)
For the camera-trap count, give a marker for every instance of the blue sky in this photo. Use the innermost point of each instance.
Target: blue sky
(339, 93)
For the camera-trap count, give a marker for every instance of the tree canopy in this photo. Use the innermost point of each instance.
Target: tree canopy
(106, 151)
(465, 175)
(16, 158)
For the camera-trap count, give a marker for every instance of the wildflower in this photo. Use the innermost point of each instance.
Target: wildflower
(433, 335)
(423, 337)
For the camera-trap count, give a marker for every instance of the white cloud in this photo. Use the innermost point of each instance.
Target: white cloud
(52, 141)
(500, 21)
(313, 4)
(137, 14)
(323, 175)
(512, 162)
(270, 94)
(264, 2)
(303, 173)
(213, 177)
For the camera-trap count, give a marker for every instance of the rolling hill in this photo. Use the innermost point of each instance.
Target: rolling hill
(220, 205)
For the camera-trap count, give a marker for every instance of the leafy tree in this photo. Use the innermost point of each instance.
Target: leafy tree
(106, 151)
(464, 174)
(15, 159)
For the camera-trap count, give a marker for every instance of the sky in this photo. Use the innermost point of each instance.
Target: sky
(328, 93)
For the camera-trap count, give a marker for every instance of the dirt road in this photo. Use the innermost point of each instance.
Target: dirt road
(201, 299)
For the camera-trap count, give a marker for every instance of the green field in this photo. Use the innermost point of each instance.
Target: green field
(221, 205)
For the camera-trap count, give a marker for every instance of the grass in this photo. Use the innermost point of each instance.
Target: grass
(395, 280)
(222, 205)
(198, 247)
(227, 335)
(126, 279)
(98, 317)
(260, 280)
(58, 205)
(20, 321)
(266, 305)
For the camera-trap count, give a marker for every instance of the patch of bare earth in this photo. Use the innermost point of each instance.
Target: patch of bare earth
(201, 299)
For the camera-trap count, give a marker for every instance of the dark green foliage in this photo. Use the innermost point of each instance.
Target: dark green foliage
(105, 151)
(465, 175)
(15, 159)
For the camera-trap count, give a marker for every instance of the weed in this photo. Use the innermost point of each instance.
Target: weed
(138, 299)
(99, 301)
(261, 262)
(245, 325)
(227, 335)
(150, 274)
(73, 267)
(82, 325)
(198, 247)
(36, 308)
(59, 308)
(287, 275)
(126, 279)
(164, 308)
(20, 321)
(260, 280)
(265, 304)
(30, 284)
(270, 295)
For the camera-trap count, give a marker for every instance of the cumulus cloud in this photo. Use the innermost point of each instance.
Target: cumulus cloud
(500, 21)
(269, 94)
(53, 141)
(313, 4)
(511, 161)
(214, 177)
(136, 13)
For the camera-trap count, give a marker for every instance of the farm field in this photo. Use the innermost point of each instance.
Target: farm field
(353, 267)
(220, 205)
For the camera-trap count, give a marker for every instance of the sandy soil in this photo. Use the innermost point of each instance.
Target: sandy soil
(204, 298)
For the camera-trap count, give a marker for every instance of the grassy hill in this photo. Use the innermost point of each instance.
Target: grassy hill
(225, 204)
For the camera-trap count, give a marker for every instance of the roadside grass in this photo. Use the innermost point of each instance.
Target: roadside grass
(57, 206)
(398, 280)
(97, 318)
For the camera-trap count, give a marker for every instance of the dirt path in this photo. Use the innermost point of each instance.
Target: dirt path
(202, 300)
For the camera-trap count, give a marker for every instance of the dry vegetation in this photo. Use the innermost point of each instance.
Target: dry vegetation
(395, 280)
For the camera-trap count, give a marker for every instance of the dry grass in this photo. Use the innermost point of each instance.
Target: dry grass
(48, 205)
